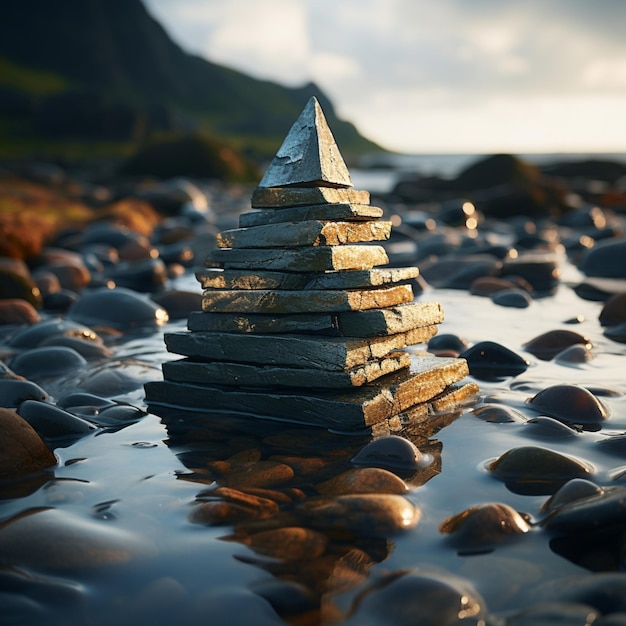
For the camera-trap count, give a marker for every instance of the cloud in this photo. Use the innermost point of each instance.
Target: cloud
(450, 63)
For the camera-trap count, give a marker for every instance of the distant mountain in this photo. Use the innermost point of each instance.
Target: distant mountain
(106, 71)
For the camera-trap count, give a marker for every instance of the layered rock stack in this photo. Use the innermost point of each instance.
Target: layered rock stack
(299, 322)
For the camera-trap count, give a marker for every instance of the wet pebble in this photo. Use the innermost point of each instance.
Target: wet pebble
(569, 403)
(513, 298)
(53, 423)
(40, 363)
(72, 276)
(497, 413)
(370, 515)
(613, 312)
(616, 333)
(119, 308)
(363, 480)
(481, 528)
(490, 285)
(543, 427)
(143, 276)
(547, 345)
(607, 260)
(22, 451)
(179, 304)
(393, 453)
(17, 285)
(14, 392)
(539, 270)
(224, 512)
(16, 311)
(574, 356)
(414, 597)
(572, 490)
(447, 343)
(35, 335)
(488, 360)
(288, 543)
(262, 474)
(60, 301)
(87, 348)
(537, 470)
(117, 414)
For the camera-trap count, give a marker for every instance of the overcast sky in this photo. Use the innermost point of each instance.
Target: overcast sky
(427, 76)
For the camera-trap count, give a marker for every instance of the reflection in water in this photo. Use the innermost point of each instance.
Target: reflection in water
(298, 504)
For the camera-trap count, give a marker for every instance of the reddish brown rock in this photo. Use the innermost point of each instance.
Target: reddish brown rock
(22, 451)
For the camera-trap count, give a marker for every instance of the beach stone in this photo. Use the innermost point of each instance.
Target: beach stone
(73, 276)
(607, 260)
(514, 298)
(481, 528)
(616, 333)
(488, 360)
(119, 308)
(118, 413)
(451, 345)
(225, 513)
(88, 348)
(392, 453)
(369, 515)
(498, 414)
(569, 403)
(308, 155)
(613, 312)
(178, 304)
(543, 427)
(261, 474)
(453, 273)
(55, 540)
(36, 334)
(538, 270)
(490, 285)
(22, 451)
(363, 480)
(14, 285)
(535, 470)
(53, 423)
(289, 543)
(416, 597)
(547, 345)
(48, 361)
(18, 311)
(60, 301)
(14, 392)
(75, 399)
(6, 373)
(47, 281)
(143, 276)
(571, 491)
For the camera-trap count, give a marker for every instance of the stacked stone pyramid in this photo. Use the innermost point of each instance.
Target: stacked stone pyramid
(299, 322)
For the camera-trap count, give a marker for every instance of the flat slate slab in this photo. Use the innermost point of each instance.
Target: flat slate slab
(337, 212)
(216, 278)
(312, 233)
(319, 259)
(319, 353)
(388, 321)
(281, 197)
(281, 301)
(323, 323)
(240, 374)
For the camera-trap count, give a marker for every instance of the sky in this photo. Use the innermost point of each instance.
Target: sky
(433, 76)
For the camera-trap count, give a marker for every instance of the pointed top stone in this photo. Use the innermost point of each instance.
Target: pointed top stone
(309, 156)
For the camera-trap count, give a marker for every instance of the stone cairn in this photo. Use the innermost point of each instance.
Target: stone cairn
(298, 323)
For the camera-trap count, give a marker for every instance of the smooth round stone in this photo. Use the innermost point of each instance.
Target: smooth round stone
(409, 599)
(17, 286)
(119, 308)
(290, 543)
(572, 490)
(490, 285)
(446, 341)
(224, 513)
(17, 311)
(56, 540)
(547, 345)
(607, 260)
(22, 451)
(616, 333)
(60, 301)
(14, 392)
(34, 336)
(118, 414)
(370, 515)
(180, 253)
(488, 360)
(287, 597)
(75, 399)
(178, 304)
(53, 423)
(47, 361)
(513, 298)
(591, 293)
(556, 614)
(481, 528)
(113, 378)
(392, 452)
(72, 276)
(497, 414)
(574, 356)
(87, 348)
(6, 373)
(570, 404)
(543, 427)
(261, 474)
(614, 310)
(535, 470)
(540, 271)
(459, 273)
(112, 235)
(143, 276)
(363, 480)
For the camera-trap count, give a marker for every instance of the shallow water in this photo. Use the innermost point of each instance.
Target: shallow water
(107, 538)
